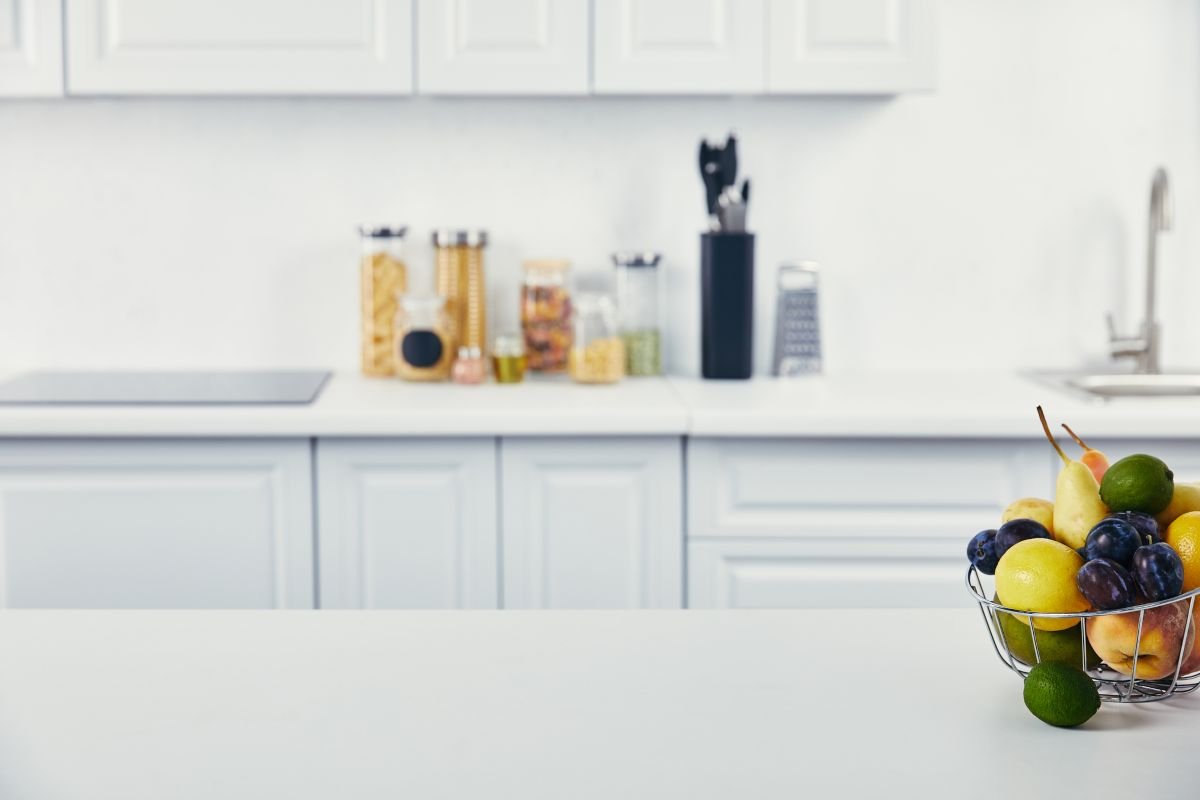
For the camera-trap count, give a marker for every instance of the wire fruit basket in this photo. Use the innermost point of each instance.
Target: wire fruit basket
(1114, 686)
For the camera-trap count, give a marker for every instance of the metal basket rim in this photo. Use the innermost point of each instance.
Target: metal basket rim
(982, 600)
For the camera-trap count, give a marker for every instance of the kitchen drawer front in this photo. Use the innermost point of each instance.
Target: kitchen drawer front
(811, 574)
(858, 488)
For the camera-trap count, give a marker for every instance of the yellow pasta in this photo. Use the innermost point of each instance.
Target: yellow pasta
(384, 279)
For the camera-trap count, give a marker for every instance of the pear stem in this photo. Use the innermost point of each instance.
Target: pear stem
(1078, 441)
(1050, 436)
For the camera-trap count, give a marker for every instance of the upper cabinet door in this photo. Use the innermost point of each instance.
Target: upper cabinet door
(852, 46)
(30, 48)
(514, 47)
(239, 46)
(679, 46)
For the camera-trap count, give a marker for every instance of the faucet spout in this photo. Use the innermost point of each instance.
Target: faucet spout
(1144, 348)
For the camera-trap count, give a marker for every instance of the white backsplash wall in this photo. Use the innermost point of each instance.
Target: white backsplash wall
(991, 223)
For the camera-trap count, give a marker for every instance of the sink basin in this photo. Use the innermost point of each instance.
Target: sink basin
(1108, 387)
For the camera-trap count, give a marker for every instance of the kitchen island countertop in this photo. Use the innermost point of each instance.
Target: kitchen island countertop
(690, 705)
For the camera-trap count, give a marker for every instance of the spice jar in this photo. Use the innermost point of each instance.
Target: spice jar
(546, 315)
(424, 338)
(469, 367)
(639, 311)
(458, 258)
(508, 358)
(597, 354)
(383, 277)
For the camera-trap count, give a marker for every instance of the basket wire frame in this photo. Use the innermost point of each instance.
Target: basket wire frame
(1113, 686)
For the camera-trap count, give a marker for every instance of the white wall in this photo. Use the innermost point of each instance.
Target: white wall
(991, 223)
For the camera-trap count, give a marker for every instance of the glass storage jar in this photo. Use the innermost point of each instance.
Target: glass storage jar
(458, 258)
(597, 354)
(383, 277)
(639, 311)
(424, 338)
(546, 315)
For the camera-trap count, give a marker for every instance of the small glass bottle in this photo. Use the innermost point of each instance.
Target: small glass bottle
(382, 277)
(597, 354)
(640, 311)
(424, 338)
(508, 358)
(546, 314)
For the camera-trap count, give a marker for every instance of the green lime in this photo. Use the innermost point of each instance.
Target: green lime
(1063, 647)
(1138, 483)
(1061, 695)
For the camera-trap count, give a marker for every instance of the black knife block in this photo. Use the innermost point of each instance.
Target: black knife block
(727, 305)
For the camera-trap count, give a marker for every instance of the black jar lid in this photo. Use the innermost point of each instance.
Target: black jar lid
(383, 231)
(636, 258)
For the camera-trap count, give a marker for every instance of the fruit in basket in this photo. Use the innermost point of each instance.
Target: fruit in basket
(1077, 504)
(1039, 575)
(1158, 571)
(1106, 584)
(1191, 664)
(1065, 646)
(1184, 536)
(1146, 525)
(1185, 498)
(1138, 483)
(1034, 508)
(1094, 460)
(981, 551)
(1060, 695)
(1164, 634)
(1018, 530)
(1114, 539)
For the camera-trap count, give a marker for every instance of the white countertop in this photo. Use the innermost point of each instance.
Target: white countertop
(943, 404)
(690, 705)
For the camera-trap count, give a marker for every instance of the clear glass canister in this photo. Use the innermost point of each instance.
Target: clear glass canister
(424, 342)
(383, 277)
(458, 257)
(597, 353)
(546, 314)
(640, 311)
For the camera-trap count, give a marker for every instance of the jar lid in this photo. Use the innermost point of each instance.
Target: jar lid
(449, 237)
(422, 302)
(383, 231)
(546, 264)
(588, 302)
(633, 258)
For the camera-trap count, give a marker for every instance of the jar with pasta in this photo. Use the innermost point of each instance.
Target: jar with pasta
(597, 353)
(383, 278)
(546, 315)
(424, 338)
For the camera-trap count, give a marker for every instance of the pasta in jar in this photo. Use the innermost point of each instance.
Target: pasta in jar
(384, 277)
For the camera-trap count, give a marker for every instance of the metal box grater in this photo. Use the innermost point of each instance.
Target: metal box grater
(797, 325)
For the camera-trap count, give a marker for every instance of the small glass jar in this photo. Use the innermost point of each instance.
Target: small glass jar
(597, 354)
(383, 277)
(424, 338)
(639, 311)
(469, 368)
(546, 315)
(508, 358)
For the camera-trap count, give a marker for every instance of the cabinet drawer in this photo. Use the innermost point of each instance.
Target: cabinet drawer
(811, 574)
(848, 488)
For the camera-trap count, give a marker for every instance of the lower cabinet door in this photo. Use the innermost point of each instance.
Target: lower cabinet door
(592, 523)
(803, 574)
(407, 523)
(156, 524)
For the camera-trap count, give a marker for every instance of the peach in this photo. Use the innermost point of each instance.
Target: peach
(1114, 638)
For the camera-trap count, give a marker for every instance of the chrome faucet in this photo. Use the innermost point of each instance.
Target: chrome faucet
(1144, 348)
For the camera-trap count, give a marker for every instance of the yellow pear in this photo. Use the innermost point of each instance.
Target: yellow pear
(1034, 508)
(1185, 498)
(1077, 503)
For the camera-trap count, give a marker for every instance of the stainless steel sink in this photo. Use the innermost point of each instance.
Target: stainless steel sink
(1108, 387)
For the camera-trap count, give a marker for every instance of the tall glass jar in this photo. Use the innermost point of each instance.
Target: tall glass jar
(597, 353)
(382, 277)
(546, 314)
(424, 343)
(640, 311)
(458, 256)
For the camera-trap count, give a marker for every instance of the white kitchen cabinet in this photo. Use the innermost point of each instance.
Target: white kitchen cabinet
(31, 48)
(679, 46)
(592, 523)
(851, 46)
(482, 47)
(156, 524)
(182, 47)
(407, 523)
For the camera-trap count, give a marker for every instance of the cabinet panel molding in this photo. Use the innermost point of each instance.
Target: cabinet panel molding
(31, 62)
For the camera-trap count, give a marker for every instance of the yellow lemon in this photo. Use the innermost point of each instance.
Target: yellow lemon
(1184, 535)
(1039, 575)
